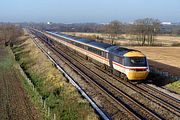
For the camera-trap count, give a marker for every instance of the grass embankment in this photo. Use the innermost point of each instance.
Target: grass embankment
(62, 98)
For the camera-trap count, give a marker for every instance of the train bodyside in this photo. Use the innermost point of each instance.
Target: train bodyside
(100, 55)
(133, 64)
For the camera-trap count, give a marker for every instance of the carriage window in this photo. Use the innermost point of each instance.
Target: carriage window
(116, 58)
(103, 54)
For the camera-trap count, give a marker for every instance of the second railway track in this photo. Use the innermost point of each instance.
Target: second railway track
(120, 98)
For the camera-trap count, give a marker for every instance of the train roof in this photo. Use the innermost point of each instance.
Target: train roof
(103, 46)
(84, 40)
(120, 51)
(90, 42)
(116, 50)
(100, 45)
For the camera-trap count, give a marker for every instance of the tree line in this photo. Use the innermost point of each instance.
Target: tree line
(144, 30)
(8, 33)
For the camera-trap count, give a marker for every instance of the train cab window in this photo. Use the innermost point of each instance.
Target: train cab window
(136, 61)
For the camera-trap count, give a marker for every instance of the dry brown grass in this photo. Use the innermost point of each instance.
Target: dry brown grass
(128, 39)
(168, 38)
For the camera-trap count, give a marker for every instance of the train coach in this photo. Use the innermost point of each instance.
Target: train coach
(130, 64)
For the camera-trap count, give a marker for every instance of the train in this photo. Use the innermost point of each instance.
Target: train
(127, 63)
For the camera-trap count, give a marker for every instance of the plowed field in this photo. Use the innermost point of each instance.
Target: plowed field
(14, 102)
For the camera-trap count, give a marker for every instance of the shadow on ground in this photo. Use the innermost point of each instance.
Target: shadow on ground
(163, 74)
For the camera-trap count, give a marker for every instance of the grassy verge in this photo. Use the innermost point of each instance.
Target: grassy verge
(175, 86)
(163, 81)
(61, 97)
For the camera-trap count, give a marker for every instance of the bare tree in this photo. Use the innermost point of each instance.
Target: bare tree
(146, 29)
(113, 29)
(8, 33)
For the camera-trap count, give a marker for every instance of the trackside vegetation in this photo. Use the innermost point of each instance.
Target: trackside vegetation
(60, 96)
(175, 86)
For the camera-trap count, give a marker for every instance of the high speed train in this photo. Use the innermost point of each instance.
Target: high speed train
(130, 64)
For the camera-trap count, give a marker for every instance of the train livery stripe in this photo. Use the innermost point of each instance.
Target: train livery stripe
(82, 49)
(130, 68)
(115, 63)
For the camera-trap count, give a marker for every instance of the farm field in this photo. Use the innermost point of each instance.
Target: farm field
(125, 39)
(14, 103)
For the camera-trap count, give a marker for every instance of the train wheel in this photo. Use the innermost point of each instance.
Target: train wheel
(106, 67)
(86, 57)
(121, 75)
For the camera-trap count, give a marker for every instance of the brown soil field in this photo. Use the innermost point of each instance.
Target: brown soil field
(166, 55)
(168, 39)
(14, 102)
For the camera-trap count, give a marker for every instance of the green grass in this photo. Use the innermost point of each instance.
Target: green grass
(35, 99)
(7, 60)
(61, 97)
(175, 86)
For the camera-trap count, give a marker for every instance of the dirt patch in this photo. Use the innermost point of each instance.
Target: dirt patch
(14, 103)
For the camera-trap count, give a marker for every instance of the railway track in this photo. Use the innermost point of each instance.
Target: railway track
(118, 104)
(128, 103)
(174, 101)
(164, 100)
(127, 100)
(169, 102)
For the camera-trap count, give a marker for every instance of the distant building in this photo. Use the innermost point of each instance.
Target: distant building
(166, 23)
(49, 23)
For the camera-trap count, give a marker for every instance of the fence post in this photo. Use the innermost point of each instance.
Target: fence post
(54, 117)
(48, 111)
(44, 104)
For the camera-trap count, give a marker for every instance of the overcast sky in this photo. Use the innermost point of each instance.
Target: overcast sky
(75, 11)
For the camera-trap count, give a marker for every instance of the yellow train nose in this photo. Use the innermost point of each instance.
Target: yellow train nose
(137, 75)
